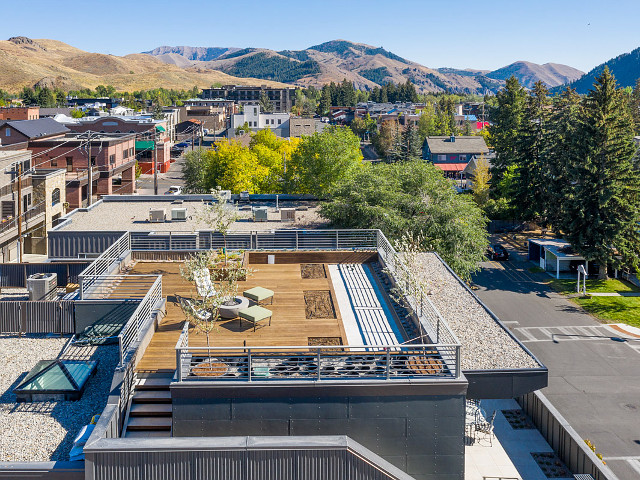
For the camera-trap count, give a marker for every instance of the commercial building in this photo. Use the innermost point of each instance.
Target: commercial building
(305, 126)
(19, 113)
(278, 122)
(281, 98)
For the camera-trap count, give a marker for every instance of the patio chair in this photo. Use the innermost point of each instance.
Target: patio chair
(203, 283)
(201, 314)
(484, 430)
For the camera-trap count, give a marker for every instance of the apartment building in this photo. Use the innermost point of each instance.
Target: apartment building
(256, 120)
(19, 113)
(281, 98)
(214, 115)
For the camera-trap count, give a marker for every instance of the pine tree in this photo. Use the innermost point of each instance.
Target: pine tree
(604, 205)
(325, 101)
(529, 156)
(506, 118)
(560, 146)
(411, 148)
(635, 107)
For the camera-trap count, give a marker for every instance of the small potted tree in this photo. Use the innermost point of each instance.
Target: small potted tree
(218, 217)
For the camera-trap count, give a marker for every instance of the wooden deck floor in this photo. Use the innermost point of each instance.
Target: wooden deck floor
(289, 324)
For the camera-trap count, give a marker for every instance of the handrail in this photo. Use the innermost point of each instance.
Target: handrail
(319, 363)
(104, 262)
(130, 333)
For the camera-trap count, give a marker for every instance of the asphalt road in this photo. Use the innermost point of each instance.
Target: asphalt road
(594, 370)
(165, 180)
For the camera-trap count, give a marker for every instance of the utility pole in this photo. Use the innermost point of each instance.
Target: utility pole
(90, 173)
(155, 163)
(193, 137)
(20, 241)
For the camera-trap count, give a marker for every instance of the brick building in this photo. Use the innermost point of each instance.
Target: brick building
(112, 160)
(281, 98)
(19, 113)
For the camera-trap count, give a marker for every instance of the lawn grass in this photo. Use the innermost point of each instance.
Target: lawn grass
(608, 309)
(536, 270)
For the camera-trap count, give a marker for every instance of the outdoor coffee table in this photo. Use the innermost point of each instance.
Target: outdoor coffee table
(258, 294)
(255, 314)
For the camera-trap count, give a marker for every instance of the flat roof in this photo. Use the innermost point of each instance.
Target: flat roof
(44, 431)
(133, 216)
(486, 343)
(555, 246)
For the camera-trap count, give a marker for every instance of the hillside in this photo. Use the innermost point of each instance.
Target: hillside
(364, 65)
(528, 73)
(625, 67)
(25, 62)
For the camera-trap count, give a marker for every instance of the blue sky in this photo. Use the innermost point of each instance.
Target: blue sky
(462, 34)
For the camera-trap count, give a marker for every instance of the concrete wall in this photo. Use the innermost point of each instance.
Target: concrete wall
(419, 433)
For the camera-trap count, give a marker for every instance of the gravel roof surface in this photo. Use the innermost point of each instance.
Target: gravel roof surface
(485, 344)
(132, 216)
(44, 431)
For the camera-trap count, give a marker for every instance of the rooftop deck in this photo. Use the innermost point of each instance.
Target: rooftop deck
(289, 324)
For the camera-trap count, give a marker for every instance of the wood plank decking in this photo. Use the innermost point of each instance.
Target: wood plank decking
(289, 326)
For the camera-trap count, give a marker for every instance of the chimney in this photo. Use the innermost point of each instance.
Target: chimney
(452, 138)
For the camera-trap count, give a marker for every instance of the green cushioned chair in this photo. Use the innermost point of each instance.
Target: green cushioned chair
(255, 314)
(258, 294)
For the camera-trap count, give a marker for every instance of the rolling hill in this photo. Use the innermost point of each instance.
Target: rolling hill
(364, 65)
(625, 67)
(26, 62)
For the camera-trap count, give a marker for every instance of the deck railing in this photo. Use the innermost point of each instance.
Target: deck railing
(117, 286)
(141, 317)
(429, 316)
(104, 263)
(315, 363)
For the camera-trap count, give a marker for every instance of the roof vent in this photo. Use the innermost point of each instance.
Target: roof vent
(452, 138)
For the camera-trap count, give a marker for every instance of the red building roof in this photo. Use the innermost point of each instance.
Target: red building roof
(451, 167)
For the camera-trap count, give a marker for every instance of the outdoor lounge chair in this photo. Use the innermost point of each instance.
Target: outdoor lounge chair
(203, 283)
(201, 314)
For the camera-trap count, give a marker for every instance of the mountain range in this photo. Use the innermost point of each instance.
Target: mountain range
(44, 62)
(364, 65)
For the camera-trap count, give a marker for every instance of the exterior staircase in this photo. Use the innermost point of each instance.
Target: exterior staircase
(150, 413)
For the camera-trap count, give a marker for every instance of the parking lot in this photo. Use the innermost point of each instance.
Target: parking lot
(594, 369)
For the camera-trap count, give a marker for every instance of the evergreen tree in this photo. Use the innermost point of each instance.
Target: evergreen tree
(603, 206)
(635, 107)
(325, 101)
(411, 146)
(530, 143)
(560, 146)
(506, 117)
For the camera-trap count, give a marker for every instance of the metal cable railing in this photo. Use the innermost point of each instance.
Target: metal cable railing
(101, 265)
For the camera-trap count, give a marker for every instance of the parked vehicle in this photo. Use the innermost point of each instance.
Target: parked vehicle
(174, 190)
(497, 252)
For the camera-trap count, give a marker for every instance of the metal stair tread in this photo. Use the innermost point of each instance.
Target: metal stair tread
(149, 423)
(150, 409)
(152, 396)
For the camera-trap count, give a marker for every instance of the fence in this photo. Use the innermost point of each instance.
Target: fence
(37, 317)
(561, 436)
(113, 256)
(140, 319)
(368, 362)
(429, 317)
(274, 240)
(15, 274)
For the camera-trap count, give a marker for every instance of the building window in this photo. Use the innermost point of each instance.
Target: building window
(279, 121)
(7, 132)
(125, 153)
(442, 158)
(54, 162)
(462, 158)
(69, 164)
(55, 197)
(112, 159)
(26, 202)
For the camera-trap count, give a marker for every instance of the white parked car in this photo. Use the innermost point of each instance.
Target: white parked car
(174, 190)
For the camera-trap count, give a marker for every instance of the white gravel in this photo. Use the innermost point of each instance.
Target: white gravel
(43, 431)
(485, 344)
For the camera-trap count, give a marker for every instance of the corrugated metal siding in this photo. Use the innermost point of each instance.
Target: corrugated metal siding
(15, 274)
(37, 317)
(69, 244)
(338, 464)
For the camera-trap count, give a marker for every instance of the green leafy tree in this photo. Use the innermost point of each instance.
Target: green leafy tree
(322, 159)
(265, 104)
(193, 171)
(604, 198)
(414, 199)
(77, 113)
(244, 128)
(481, 181)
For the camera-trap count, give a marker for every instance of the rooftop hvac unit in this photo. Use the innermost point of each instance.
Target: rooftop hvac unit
(157, 215)
(260, 214)
(288, 214)
(42, 286)
(244, 197)
(178, 214)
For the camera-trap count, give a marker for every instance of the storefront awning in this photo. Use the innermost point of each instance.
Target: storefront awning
(451, 167)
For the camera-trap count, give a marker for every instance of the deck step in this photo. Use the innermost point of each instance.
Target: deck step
(149, 423)
(150, 410)
(153, 383)
(148, 434)
(152, 396)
